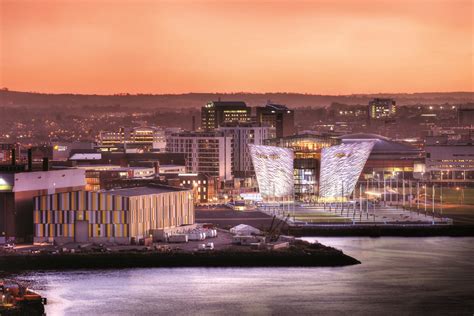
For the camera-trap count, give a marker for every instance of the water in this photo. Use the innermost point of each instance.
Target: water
(398, 276)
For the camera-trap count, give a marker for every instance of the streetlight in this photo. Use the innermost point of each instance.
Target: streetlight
(426, 195)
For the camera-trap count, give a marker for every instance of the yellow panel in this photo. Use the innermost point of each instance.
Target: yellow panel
(43, 203)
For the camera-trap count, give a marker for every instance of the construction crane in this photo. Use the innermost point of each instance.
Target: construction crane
(274, 231)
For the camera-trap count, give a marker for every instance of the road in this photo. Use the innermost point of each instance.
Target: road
(224, 217)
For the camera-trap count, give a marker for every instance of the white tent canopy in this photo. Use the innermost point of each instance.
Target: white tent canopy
(243, 229)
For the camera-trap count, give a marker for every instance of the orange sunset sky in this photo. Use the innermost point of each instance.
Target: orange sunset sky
(321, 47)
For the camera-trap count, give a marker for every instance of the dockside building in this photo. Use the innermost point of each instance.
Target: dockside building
(117, 216)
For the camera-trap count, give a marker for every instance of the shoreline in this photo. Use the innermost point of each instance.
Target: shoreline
(384, 231)
(302, 256)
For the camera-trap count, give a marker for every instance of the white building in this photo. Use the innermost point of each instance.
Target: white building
(341, 167)
(206, 152)
(274, 171)
(242, 137)
(171, 169)
(448, 161)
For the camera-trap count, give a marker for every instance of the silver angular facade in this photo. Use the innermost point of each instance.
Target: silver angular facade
(274, 170)
(341, 167)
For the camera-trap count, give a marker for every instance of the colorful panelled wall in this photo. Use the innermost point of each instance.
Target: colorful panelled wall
(110, 215)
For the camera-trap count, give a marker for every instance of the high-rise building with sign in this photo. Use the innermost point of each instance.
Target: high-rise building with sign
(217, 113)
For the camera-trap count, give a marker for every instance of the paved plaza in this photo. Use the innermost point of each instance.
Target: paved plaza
(336, 214)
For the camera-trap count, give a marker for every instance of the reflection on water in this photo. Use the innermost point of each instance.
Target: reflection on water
(397, 276)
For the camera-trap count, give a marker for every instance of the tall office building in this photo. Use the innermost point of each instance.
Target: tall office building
(217, 113)
(244, 135)
(206, 152)
(279, 117)
(381, 108)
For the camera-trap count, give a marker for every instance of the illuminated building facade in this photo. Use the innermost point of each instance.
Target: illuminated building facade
(110, 216)
(137, 138)
(203, 186)
(274, 171)
(307, 155)
(106, 177)
(450, 161)
(218, 113)
(388, 157)
(205, 152)
(341, 167)
(62, 150)
(243, 135)
(382, 108)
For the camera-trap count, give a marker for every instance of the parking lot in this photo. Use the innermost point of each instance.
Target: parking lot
(224, 217)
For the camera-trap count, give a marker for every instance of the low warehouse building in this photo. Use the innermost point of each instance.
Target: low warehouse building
(110, 216)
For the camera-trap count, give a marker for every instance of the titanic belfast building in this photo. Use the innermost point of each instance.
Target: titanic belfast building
(330, 167)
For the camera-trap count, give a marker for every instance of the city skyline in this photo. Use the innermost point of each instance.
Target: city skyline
(243, 157)
(305, 47)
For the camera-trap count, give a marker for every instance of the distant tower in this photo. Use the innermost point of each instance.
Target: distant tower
(193, 127)
(380, 108)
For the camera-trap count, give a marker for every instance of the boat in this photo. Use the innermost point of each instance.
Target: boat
(16, 299)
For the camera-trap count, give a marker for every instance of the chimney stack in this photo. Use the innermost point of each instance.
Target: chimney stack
(30, 159)
(13, 156)
(45, 164)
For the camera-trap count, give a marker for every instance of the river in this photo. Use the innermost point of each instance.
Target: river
(398, 276)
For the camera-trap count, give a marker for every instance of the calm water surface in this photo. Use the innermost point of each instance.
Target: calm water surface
(398, 276)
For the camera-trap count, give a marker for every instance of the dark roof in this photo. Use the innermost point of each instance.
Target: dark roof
(145, 190)
(382, 144)
(363, 136)
(279, 107)
(229, 104)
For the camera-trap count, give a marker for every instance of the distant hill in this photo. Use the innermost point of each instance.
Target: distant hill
(162, 101)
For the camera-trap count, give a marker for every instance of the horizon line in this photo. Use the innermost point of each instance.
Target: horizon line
(5, 89)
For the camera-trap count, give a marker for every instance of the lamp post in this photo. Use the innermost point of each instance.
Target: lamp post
(441, 199)
(426, 195)
(411, 192)
(433, 201)
(418, 197)
(396, 184)
(403, 189)
(342, 196)
(367, 203)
